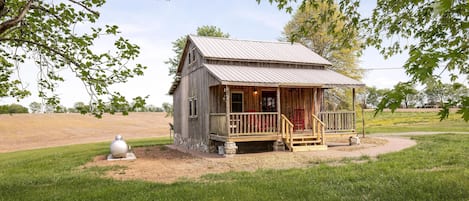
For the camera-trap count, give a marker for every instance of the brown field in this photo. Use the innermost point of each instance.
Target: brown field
(31, 131)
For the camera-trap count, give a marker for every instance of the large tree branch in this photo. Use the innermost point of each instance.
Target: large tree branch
(85, 7)
(13, 22)
(55, 51)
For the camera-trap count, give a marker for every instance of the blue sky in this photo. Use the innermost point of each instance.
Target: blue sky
(154, 24)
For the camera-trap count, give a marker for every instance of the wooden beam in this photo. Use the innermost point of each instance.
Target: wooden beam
(228, 107)
(278, 110)
(353, 99)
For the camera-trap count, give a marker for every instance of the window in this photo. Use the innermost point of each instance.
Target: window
(237, 102)
(192, 107)
(269, 101)
(191, 56)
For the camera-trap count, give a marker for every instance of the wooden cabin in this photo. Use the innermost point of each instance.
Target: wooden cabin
(230, 91)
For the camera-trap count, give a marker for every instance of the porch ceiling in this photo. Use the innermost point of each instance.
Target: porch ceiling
(280, 77)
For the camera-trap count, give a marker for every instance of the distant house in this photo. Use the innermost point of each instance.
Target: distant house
(230, 93)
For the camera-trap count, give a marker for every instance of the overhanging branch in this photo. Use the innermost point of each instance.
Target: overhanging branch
(13, 22)
(85, 7)
(43, 46)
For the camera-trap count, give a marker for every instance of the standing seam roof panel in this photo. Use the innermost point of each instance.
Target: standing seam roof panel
(256, 50)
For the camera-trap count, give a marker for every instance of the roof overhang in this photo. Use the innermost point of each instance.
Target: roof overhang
(280, 77)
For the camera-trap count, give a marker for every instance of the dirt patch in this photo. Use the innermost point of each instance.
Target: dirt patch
(169, 164)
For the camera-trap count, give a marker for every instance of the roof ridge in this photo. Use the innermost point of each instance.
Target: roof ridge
(245, 40)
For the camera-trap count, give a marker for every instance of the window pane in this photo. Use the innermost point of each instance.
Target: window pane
(190, 107)
(237, 107)
(236, 102)
(236, 97)
(195, 107)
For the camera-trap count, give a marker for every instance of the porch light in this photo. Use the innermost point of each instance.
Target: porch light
(255, 91)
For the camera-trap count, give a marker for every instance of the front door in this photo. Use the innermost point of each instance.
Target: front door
(269, 101)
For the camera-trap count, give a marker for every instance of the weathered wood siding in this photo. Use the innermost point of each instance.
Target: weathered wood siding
(192, 132)
(217, 104)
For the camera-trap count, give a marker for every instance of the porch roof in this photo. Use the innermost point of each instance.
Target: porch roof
(278, 77)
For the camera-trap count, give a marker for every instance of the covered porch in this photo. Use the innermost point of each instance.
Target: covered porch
(276, 104)
(291, 115)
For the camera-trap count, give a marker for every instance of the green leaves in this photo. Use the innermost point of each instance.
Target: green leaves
(180, 43)
(393, 99)
(47, 35)
(435, 33)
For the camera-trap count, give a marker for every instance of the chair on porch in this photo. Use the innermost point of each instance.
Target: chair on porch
(298, 119)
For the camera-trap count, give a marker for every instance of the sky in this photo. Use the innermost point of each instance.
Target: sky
(154, 24)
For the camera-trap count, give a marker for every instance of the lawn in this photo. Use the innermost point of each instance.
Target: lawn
(410, 121)
(435, 169)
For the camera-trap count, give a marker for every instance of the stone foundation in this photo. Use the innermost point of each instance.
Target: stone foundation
(230, 149)
(354, 140)
(191, 144)
(279, 145)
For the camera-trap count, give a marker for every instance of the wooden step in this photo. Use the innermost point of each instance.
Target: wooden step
(306, 142)
(304, 138)
(309, 148)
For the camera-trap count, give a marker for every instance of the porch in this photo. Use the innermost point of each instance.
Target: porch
(292, 115)
(275, 127)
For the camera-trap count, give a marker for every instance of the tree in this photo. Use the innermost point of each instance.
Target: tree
(326, 38)
(12, 109)
(168, 108)
(445, 93)
(433, 32)
(81, 107)
(374, 96)
(180, 43)
(46, 32)
(323, 41)
(35, 107)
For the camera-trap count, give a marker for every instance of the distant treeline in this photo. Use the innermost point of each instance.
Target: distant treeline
(13, 108)
(78, 107)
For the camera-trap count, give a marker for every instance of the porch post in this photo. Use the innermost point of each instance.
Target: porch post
(353, 108)
(228, 104)
(279, 111)
(315, 101)
(353, 99)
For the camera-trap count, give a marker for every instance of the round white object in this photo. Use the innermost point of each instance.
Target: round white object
(119, 148)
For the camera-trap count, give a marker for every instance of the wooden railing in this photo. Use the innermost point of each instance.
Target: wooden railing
(287, 130)
(252, 123)
(338, 122)
(318, 128)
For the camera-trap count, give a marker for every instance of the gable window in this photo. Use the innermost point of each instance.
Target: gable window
(192, 107)
(237, 102)
(191, 56)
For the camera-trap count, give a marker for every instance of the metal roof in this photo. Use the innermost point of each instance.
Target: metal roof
(266, 76)
(224, 48)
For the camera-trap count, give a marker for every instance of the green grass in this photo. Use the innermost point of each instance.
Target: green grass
(435, 169)
(387, 122)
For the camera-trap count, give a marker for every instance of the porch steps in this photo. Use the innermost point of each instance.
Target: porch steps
(304, 142)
